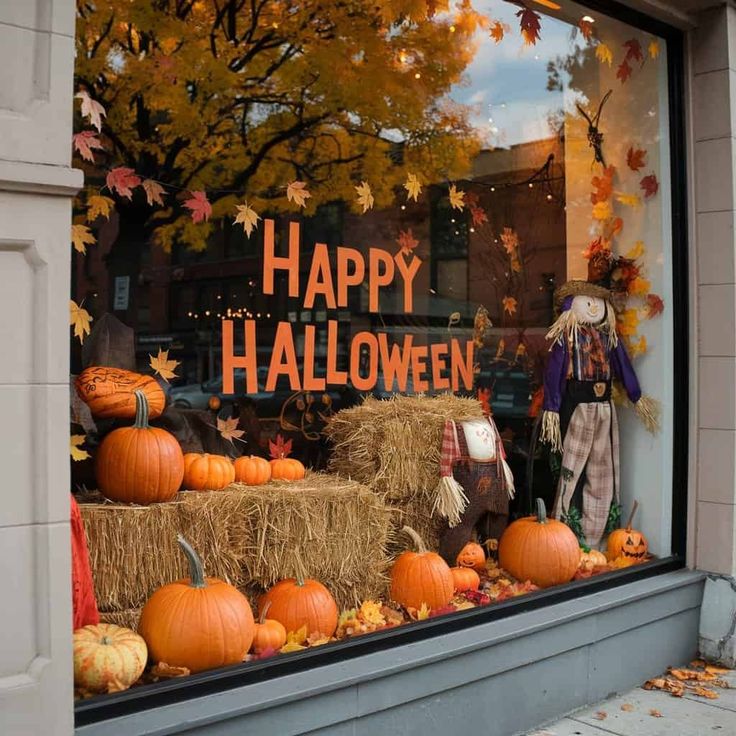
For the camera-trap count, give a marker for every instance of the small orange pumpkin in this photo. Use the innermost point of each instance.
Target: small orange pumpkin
(421, 577)
(296, 602)
(473, 556)
(269, 633)
(465, 578)
(282, 466)
(539, 549)
(592, 559)
(214, 403)
(252, 470)
(207, 472)
(105, 654)
(139, 464)
(627, 542)
(110, 392)
(198, 623)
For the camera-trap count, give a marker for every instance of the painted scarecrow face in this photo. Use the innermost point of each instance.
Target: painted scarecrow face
(589, 310)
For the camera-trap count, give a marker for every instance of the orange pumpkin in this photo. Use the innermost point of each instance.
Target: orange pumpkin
(198, 623)
(214, 403)
(465, 578)
(269, 633)
(252, 470)
(421, 577)
(295, 603)
(110, 392)
(539, 549)
(282, 466)
(472, 555)
(207, 472)
(139, 464)
(627, 542)
(105, 654)
(592, 559)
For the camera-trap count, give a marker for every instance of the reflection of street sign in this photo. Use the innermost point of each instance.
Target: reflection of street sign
(122, 293)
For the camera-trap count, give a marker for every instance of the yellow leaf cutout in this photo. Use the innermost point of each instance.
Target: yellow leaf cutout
(295, 640)
(629, 200)
(413, 187)
(423, 612)
(509, 305)
(163, 366)
(228, 429)
(653, 49)
(602, 211)
(74, 442)
(247, 217)
(81, 238)
(99, 206)
(628, 322)
(638, 348)
(457, 198)
(370, 612)
(604, 54)
(80, 319)
(154, 192)
(365, 196)
(297, 192)
(636, 252)
(291, 646)
(639, 287)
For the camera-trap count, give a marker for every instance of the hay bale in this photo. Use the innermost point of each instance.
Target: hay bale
(128, 618)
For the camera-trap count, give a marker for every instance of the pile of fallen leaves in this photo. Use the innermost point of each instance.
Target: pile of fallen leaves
(700, 679)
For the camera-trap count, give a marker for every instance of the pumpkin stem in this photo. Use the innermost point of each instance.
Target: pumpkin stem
(262, 617)
(106, 640)
(141, 410)
(631, 516)
(196, 571)
(541, 511)
(418, 541)
(299, 579)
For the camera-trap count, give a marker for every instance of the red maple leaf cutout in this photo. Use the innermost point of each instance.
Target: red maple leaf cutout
(122, 180)
(655, 305)
(633, 50)
(650, 185)
(478, 216)
(624, 71)
(586, 28)
(407, 241)
(279, 449)
(199, 206)
(84, 142)
(636, 158)
(530, 26)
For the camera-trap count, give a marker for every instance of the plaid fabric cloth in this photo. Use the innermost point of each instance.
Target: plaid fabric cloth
(590, 446)
(451, 450)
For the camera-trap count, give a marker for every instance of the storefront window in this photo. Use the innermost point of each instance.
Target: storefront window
(423, 251)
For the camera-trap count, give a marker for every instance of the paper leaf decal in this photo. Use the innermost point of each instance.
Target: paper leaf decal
(586, 28)
(247, 217)
(91, 109)
(162, 366)
(297, 192)
(604, 54)
(497, 31)
(639, 287)
(636, 252)
(99, 206)
(612, 227)
(629, 200)
(654, 306)
(228, 428)
(628, 322)
(649, 185)
(636, 158)
(413, 187)
(624, 71)
(633, 50)
(510, 240)
(478, 215)
(603, 185)
(365, 196)
(457, 198)
(407, 241)
(81, 238)
(122, 181)
(75, 441)
(154, 192)
(199, 206)
(529, 21)
(279, 449)
(509, 305)
(80, 319)
(638, 348)
(85, 142)
(602, 211)
(653, 49)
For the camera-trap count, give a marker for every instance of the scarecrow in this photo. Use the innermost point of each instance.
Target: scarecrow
(579, 417)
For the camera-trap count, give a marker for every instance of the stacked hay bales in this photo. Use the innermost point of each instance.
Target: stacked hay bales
(393, 446)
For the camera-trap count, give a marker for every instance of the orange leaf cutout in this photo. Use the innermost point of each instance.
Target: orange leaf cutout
(154, 192)
(199, 206)
(122, 181)
(279, 449)
(162, 366)
(586, 28)
(81, 238)
(509, 305)
(530, 26)
(510, 240)
(407, 241)
(85, 142)
(654, 306)
(91, 109)
(228, 428)
(603, 185)
(636, 158)
(497, 31)
(297, 192)
(80, 319)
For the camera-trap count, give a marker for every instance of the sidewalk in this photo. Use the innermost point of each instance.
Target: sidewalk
(631, 715)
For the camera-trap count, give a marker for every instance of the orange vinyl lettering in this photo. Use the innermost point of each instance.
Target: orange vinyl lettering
(346, 256)
(395, 362)
(311, 382)
(230, 361)
(271, 261)
(369, 340)
(461, 366)
(320, 278)
(408, 272)
(419, 368)
(334, 376)
(439, 357)
(283, 359)
(376, 279)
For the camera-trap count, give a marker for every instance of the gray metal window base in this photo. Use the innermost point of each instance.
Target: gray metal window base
(500, 677)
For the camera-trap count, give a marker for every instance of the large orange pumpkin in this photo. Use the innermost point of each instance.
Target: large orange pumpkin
(110, 392)
(539, 549)
(465, 578)
(269, 633)
(107, 655)
(207, 472)
(295, 603)
(252, 470)
(421, 577)
(472, 555)
(627, 542)
(139, 464)
(198, 623)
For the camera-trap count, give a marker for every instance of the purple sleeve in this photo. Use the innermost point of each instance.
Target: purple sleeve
(624, 371)
(555, 377)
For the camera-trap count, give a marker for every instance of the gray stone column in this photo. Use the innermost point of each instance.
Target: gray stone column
(36, 187)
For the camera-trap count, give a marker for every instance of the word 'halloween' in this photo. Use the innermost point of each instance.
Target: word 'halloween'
(370, 354)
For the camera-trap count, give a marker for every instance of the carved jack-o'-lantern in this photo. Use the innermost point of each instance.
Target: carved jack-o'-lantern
(472, 555)
(627, 542)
